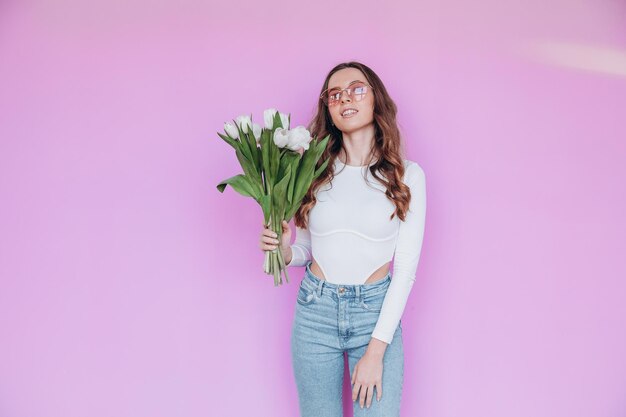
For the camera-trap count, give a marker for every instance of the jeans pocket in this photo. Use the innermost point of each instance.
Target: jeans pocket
(306, 295)
(373, 303)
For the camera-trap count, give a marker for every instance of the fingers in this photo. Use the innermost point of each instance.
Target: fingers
(362, 395)
(355, 391)
(369, 396)
(355, 388)
(365, 393)
(358, 387)
(286, 228)
(269, 240)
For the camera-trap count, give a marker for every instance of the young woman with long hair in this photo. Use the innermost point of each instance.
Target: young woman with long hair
(367, 207)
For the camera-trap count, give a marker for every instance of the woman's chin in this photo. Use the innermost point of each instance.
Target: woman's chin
(347, 127)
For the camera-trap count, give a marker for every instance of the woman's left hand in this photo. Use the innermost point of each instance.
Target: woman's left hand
(368, 372)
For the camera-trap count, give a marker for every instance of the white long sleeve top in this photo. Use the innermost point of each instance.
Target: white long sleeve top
(351, 236)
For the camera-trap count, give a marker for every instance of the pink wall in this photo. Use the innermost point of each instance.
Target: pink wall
(129, 288)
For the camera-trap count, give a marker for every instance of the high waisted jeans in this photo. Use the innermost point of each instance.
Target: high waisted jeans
(331, 319)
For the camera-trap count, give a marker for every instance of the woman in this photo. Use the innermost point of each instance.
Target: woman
(368, 207)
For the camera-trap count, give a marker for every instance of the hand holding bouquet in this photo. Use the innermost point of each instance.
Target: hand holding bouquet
(278, 168)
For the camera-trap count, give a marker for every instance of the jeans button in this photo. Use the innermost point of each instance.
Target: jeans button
(341, 290)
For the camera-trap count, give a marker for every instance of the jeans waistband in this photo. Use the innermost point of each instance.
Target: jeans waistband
(345, 290)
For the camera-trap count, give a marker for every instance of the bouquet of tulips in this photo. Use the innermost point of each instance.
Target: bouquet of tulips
(278, 166)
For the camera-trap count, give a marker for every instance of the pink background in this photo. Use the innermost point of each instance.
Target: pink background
(129, 286)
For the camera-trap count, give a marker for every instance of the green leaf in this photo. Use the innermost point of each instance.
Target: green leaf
(278, 194)
(277, 122)
(283, 162)
(274, 158)
(292, 182)
(240, 184)
(254, 150)
(265, 156)
(251, 174)
(307, 173)
(266, 206)
(245, 145)
(232, 142)
(321, 169)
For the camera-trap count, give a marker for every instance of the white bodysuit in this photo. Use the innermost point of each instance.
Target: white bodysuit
(351, 235)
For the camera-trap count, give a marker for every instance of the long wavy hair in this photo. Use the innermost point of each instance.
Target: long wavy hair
(387, 148)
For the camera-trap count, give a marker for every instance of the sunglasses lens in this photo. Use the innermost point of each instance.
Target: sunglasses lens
(356, 91)
(359, 90)
(332, 97)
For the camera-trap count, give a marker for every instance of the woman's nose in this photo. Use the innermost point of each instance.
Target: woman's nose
(345, 95)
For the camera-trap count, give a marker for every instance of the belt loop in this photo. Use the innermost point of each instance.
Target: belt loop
(319, 288)
(358, 294)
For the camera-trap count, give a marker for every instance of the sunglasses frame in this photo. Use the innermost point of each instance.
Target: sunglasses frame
(349, 90)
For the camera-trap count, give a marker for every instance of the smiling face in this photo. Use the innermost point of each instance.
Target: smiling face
(364, 115)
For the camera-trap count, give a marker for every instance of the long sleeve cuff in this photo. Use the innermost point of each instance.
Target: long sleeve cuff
(300, 256)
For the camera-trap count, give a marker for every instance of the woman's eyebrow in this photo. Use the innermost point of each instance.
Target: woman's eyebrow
(351, 82)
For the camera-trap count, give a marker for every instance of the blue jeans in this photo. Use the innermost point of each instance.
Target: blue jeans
(331, 319)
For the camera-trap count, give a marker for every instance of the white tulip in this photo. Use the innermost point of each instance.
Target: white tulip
(281, 137)
(256, 131)
(299, 137)
(231, 130)
(284, 119)
(244, 121)
(268, 117)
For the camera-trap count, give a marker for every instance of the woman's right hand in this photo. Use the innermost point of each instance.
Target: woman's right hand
(269, 241)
